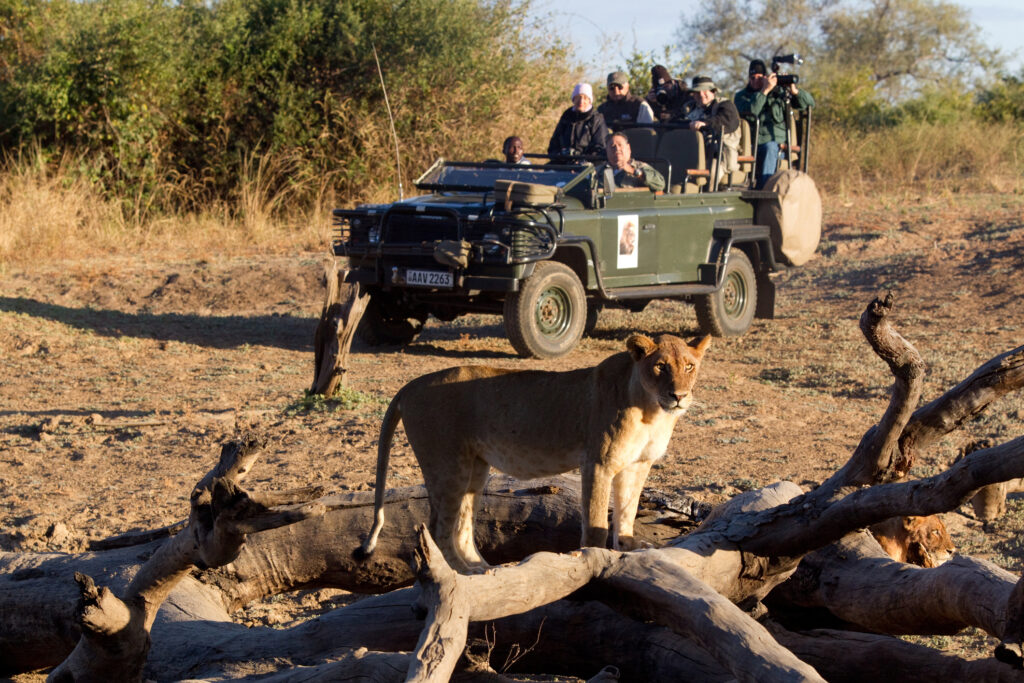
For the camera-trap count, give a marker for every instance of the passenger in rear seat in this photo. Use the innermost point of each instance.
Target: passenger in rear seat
(581, 130)
(620, 106)
(668, 96)
(718, 120)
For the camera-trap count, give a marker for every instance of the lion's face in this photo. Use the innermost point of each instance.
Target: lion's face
(928, 541)
(667, 368)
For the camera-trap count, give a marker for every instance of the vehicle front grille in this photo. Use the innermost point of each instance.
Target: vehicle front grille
(403, 228)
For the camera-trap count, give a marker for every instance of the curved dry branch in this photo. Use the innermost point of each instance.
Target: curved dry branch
(991, 381)
(816, 519)
(877, 456)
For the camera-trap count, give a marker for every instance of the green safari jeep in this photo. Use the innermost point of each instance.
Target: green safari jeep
(550, 245)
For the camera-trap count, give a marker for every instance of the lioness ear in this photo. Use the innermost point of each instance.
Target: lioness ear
(640, 346)
(702, 345)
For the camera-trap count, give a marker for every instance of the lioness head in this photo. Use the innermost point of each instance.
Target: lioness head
(928, 541)
(923, 541)
(667, 368)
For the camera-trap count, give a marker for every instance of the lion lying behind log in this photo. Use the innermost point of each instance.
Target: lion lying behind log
(923, 541)
(613, 421)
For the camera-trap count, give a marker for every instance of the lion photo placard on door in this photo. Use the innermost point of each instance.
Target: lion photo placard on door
(628, 246)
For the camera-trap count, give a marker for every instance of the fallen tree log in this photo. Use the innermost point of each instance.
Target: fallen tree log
(703, 590)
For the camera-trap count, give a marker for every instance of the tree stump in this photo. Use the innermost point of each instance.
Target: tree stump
(343, 308)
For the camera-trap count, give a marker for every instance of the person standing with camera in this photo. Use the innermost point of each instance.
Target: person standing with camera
(765, 99)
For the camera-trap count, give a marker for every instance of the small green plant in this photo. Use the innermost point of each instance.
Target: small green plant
(344, 399)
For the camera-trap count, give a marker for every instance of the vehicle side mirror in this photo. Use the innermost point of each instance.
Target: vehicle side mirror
(609, 181)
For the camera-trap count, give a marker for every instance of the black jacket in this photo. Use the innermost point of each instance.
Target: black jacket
(579, 133)
(722, 116)
(623, 111)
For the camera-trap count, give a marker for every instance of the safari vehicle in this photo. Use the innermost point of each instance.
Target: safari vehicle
(550, 245)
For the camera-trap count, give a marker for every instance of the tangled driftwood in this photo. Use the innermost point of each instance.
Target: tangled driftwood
(777, 584)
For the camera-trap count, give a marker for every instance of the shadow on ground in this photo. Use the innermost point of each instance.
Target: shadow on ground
(221, 332)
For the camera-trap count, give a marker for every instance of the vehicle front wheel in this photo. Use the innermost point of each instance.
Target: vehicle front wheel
(378, 327)
(545, 318)
(729, 311)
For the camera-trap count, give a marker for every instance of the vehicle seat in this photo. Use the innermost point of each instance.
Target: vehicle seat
(684, 151)
(745, 158)
(791, 147)
(643, 142)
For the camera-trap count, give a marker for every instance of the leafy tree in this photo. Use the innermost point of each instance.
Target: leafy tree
(178, 98)
(1004, 101)
(906, 46)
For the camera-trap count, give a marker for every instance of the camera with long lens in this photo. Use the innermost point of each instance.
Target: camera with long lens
(786, 80)
(663, 94)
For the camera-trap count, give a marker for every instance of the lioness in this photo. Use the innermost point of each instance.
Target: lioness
(612, 421)
(923, 541)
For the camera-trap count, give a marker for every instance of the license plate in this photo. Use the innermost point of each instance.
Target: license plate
(428, 278)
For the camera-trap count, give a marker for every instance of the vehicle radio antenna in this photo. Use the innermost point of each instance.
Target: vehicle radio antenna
(394, 135)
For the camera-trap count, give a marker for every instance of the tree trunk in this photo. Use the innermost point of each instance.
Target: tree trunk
(343, 308)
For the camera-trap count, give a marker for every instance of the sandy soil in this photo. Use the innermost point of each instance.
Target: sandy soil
(122, 376)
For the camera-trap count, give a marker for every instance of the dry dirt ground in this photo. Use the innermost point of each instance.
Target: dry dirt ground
(122, 376)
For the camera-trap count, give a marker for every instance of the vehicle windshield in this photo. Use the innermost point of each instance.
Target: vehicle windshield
(480, 177)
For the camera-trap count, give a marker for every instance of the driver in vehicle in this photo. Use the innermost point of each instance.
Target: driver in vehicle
(512, 148)
(628, 171)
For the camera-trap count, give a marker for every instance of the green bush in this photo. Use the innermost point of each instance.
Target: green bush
(169, 101)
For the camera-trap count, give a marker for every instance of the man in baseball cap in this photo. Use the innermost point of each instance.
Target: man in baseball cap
(620, 106)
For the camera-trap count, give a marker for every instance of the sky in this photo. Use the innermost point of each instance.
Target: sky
(594, 24)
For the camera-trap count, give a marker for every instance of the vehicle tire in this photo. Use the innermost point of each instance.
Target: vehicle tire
(593, 313)
(377, 327)
(545, 318)
(729, 311)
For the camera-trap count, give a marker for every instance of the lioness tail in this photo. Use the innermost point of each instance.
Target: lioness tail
(387, 433)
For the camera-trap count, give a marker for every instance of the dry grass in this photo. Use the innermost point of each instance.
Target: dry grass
(50, 211)
(922, 157)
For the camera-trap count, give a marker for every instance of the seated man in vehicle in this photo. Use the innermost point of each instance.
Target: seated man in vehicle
(581, 130)
(719, 121)
(622, 107)
(512, 148)
(668, 96)
(628, 171)
(764, 100)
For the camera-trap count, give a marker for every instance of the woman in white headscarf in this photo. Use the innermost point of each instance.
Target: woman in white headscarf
(581, 130)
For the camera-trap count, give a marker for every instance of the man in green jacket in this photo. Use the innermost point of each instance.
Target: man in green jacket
(765, 100)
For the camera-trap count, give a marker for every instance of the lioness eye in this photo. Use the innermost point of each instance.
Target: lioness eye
(689, 367)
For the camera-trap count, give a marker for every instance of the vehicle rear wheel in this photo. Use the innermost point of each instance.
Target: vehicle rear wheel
(379, 327)
(729, 311)
(545, 318)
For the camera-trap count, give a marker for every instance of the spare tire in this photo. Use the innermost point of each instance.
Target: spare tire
(794, 218)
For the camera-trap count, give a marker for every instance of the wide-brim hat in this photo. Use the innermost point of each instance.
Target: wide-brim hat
(703, 83)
